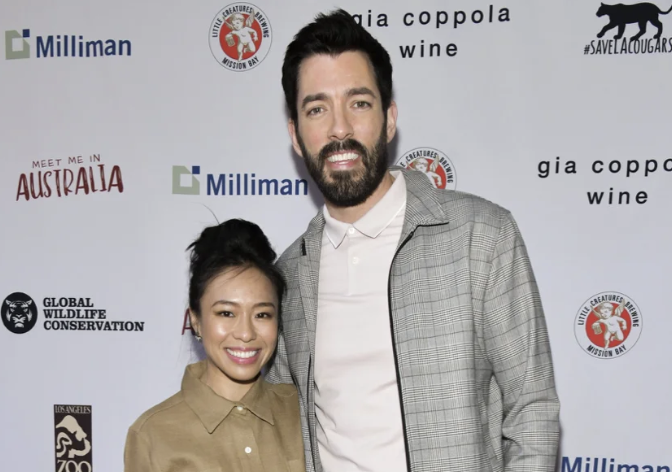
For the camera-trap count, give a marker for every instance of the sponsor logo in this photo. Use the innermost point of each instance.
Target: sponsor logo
(604, 464)
(186, 181)
(630, 19)
(438, 20)
(608, 325)
(17, 46)
(63, 177)
(186, 323)
(434, 164)
(74, 438)
(240, 36)
(19, 313)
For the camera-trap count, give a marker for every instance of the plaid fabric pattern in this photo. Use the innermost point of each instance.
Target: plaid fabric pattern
(474, 361)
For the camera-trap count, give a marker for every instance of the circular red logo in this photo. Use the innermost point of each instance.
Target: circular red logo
(608, 325)
(434, 164)
(240, 36)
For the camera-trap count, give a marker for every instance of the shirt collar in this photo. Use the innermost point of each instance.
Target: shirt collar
(376, 219)
(212, 409)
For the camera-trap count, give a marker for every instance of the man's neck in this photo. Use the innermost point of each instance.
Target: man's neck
(354, 213)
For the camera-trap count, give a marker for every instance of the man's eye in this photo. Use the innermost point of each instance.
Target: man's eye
(362, 104)
(314, 111)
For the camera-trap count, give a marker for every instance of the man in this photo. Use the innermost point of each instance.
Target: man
(412, 324)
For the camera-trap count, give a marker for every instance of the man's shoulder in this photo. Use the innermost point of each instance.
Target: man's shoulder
(453, 206)
(460, 207)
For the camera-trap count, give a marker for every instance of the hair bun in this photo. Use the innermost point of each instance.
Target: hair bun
(235, 237)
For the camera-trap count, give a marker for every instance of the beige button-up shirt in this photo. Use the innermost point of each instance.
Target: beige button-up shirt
(196, 430)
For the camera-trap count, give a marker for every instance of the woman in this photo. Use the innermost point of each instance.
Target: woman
(226, 417)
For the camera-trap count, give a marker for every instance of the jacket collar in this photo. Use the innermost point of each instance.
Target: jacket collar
(422, 208)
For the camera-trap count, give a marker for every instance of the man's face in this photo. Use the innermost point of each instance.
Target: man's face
(342, 132)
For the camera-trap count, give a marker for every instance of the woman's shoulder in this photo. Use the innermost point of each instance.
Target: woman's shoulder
(281, 391)
(165, 412)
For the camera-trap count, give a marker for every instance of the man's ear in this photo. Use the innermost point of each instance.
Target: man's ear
(291, 127)
(391, 121)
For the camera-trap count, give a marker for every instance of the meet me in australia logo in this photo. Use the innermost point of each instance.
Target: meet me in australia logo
(18, 46)
(187, 181)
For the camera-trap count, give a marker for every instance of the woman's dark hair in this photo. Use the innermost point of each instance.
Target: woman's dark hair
(234, 243)
(333, 34)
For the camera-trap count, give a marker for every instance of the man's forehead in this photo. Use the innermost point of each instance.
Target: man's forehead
(336, 73)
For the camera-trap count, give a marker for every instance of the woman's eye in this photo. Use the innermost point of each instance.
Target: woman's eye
(264, 315)
(225, 313)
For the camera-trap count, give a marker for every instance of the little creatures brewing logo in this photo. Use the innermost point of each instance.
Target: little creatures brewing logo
(240, 36)
(434, 164)
(608, 325)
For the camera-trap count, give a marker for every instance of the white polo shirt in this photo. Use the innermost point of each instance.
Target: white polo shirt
(356, 394)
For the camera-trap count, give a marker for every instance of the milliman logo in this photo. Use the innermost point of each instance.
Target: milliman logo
(17, 46)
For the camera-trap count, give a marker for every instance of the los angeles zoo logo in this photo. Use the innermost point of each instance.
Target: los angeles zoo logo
(608, 325)
(434, 164)
(240, 36)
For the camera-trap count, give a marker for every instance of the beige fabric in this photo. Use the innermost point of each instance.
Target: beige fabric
(196, 430)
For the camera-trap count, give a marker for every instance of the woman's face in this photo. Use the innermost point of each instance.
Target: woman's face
(238, 324)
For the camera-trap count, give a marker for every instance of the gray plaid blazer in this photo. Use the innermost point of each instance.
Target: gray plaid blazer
(473, 358)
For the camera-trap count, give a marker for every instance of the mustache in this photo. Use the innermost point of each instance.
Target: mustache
(342, 146)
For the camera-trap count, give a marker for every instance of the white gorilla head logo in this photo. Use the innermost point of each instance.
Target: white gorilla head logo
(63, 440)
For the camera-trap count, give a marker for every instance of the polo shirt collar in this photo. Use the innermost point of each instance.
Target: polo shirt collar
(376, 219)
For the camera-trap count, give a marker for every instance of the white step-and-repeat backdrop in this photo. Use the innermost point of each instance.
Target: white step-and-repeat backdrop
(129, 126)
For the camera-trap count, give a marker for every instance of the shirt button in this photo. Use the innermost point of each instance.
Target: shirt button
(239, 408)
(355, 260)
(351, 230)
(248, 450)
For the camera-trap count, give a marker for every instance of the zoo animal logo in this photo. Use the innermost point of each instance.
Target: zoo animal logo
(19, 313)
(240, 36)
(621, 15)
(72, 425)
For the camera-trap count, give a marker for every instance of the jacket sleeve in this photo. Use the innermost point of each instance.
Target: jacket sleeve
(137, 454)
(279, 373)
(518, 348)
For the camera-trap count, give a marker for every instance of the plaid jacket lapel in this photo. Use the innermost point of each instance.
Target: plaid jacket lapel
(421, 206)
(309, 270)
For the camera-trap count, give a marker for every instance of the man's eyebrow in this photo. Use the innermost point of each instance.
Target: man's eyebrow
(349, 93)
(312, 98)
(360, 91)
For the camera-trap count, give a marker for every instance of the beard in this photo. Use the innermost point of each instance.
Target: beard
(347, 188)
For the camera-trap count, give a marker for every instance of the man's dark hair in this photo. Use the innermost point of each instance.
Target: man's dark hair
(333, 34)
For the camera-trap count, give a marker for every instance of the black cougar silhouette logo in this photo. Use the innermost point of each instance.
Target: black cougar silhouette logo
(621, 15)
